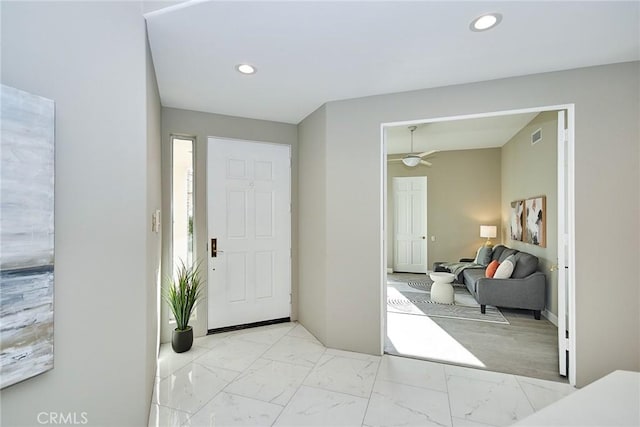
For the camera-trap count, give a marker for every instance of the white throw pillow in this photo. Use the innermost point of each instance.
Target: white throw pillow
(505, 269)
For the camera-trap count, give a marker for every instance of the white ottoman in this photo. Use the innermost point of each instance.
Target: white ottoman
(442, 290)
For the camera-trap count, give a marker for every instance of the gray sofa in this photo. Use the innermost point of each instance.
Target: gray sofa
(525, 288)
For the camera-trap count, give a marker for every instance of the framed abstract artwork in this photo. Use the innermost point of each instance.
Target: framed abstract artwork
(535, 215)
(26, 235)
(516, 220)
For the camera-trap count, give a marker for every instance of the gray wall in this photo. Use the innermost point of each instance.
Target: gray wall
(154, 201)
(606, 100)
(201, 126)
(89, 57)
(463, 192)
(312, 298)
(530, 171)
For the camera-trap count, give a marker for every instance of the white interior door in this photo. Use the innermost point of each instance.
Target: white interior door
(563, 245)
(249, 216)
(410, 224)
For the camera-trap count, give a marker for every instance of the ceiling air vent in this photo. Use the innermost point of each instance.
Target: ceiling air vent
(536, 137)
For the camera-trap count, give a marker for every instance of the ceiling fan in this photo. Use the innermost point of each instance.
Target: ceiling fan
(414, 159)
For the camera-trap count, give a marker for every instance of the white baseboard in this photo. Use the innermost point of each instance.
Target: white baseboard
(389, 270)
(550, 317)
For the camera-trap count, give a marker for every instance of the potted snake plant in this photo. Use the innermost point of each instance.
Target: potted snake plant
(183, 293)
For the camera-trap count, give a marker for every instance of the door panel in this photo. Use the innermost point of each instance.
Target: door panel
(249, 197)
(410, 224)
(264, 214)
(265, 261)
(236, 277)
(237, 223)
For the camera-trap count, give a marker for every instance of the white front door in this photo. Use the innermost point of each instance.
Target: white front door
(249, 227)
(410, 224)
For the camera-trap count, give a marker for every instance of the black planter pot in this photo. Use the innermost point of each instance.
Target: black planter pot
(182, 341)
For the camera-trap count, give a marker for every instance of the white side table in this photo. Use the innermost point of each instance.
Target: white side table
(442, 290)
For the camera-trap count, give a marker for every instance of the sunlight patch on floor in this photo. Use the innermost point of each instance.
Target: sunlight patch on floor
(394, 293)
(419, 336)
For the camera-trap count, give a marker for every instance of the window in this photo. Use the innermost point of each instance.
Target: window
(182, 200)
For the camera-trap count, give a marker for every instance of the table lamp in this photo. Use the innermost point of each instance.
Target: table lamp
(490, 232)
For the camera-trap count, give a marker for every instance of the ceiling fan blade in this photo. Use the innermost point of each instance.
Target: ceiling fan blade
(424, 162)
(394, 160)
(427, 153)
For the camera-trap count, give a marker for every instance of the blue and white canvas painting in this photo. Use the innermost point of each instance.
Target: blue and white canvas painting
(26, 235)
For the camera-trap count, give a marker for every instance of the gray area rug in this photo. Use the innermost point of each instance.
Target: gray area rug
(406, 295)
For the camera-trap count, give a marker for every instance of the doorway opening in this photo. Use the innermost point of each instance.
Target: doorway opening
(454, 233)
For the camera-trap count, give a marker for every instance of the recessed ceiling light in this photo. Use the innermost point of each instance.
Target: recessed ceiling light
(246, 69)
(485, 22)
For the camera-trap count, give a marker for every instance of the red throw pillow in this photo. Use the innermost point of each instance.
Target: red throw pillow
(491, 268)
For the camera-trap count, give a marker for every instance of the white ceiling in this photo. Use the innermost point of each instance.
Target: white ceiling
(457, 135)
(308, 53)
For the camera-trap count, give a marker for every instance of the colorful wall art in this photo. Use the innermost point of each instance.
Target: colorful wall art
(535, 231)
(26, 235)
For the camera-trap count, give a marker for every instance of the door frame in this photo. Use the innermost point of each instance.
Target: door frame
(204, 306)
(563, 272)
(569, 209)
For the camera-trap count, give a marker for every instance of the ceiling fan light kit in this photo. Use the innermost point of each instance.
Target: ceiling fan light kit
(411, 160)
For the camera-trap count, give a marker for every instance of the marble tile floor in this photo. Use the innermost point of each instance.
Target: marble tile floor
(280, 375)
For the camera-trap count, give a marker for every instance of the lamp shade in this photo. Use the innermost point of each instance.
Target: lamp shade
(488, 231)
(411, 160)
